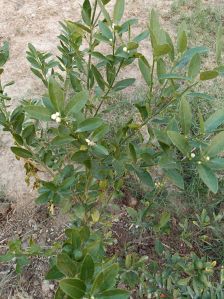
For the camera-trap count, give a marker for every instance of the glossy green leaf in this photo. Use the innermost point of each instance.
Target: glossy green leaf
(54, 273)
(133, 152)
(38, 112)
(106, 31)
(219, 44)
(99, 133)
(161, 69)
(104, 12)
(194, 66)
(105, 279)
(98, 77)
(187, 56)
(180, 142)
(77, 103)
(181, 39)
(161, 50)
(123, 84)
(21, 152)
(208, 75)
(214, 121)
(90, 124)
(144, 177)
(100, 150)
(175, 177)
(80, 156)
(145, 69)
(61, 140)
(173, 77)
(65, 265)
(74, 288)
(87, 268)
(185, 116)
(208, 177)
(56, 94)
(86, 12)
(4, 53)
(216, 145)
(119, 10)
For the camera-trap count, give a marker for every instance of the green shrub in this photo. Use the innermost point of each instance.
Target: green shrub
(68, 134)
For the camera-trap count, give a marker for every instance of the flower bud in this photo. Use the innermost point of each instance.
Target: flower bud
(192, 155)
(58, 120)
(125, 49)
(54, 116)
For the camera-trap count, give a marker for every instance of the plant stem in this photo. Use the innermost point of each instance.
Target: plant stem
(152, 74)
(109, 89)
(90, 45)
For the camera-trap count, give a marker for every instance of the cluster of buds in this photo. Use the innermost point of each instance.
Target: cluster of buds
(90, 143)
(125, 49)
(199, 162)
(56, 116)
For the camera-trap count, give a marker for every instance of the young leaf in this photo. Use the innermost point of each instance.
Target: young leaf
(54, 274)
(87, 268)
(185, 116)
(105, 279)
(208, 177)
(90, 124)
(118, 10)
(4, 53)
(161, 69)
(98, 77)
(56, 94)
(133, 152)
(216, 146)
(66, 265)
(145, 69)
(175, 177)
(214, 121)
(180, 142)
(104, 11)
(86, 12)
(77, 103)
(100, 150)
(38, 112)
(74, 288)
(208, 75)
(123, 84)
(219, 44)
(21, 152)
(194, 66)
(181, 39)
(105, 30)
(144, 177)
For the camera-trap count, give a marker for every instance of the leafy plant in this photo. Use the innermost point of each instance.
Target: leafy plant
(67, 133)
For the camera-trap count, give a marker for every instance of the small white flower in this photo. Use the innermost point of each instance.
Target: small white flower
(57, 114)
(192, 155)
(125, 49)
(199, 162)
(54, 116)
(208, 158)
(110, 40)
(58, 120)
(90, 143)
